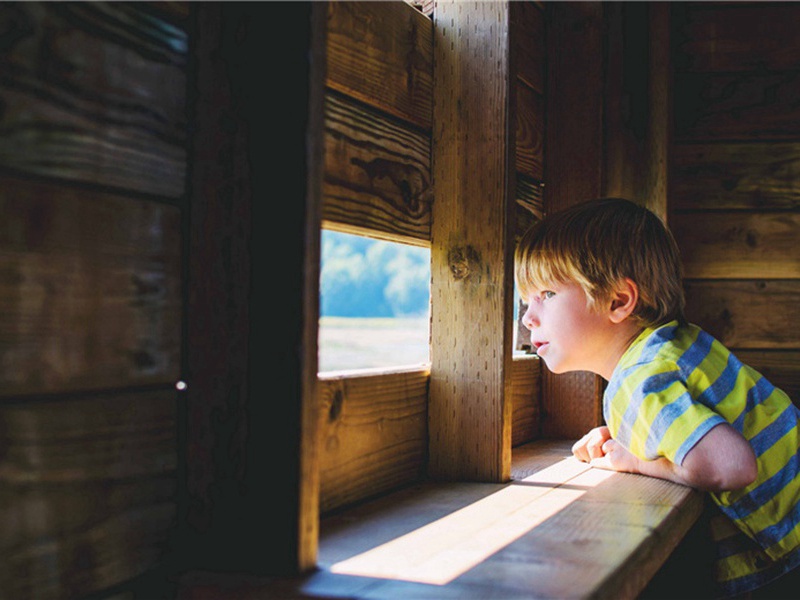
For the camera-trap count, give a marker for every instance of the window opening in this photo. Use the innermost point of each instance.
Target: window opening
(374, 303)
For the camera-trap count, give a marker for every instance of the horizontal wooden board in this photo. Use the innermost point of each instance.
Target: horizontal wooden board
(528, 41)
(726, 176)
(373, 434)
(760, 314)
(747, 106)
(90, 290)
(377, 172)
(382, 54)
(563, 530)
(94, 92)
(737, 36)
(87, 491)
(738, 245)
(781, 367)
(526, 383)
(530, 131)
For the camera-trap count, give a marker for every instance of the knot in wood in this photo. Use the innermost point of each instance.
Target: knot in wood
(463, 261)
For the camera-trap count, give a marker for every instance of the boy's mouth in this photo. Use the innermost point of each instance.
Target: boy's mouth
(539, 346)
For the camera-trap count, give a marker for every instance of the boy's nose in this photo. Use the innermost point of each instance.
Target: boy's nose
(529, 319)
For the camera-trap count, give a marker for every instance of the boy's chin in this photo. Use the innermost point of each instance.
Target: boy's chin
(559, 369)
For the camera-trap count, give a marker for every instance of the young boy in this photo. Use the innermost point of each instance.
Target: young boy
(603, 285)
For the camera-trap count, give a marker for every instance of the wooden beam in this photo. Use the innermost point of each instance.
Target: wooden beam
(471, 253)
(253, 483)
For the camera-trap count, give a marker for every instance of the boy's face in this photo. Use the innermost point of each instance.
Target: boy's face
(566, 333)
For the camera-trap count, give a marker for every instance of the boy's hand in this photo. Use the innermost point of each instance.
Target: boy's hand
(616, 458)
(590, 446)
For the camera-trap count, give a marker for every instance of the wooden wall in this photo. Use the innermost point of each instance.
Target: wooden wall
(377, 182)
(92, 196)
(735, 177)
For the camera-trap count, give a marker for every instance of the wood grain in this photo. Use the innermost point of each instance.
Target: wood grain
(90, 289)
(95, 93)
(528, 22)
(471, 245)
(758, 314)
(526, 400)
(530, 131)
(87, 491)
(738, 245)
(374, 434)
(728, 176)
(746, 106)
(381, 54)
(377, 173)
(739, 37)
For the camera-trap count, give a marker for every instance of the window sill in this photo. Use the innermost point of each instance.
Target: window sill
(559, 529)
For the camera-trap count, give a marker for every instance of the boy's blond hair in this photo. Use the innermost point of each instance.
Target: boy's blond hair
(597, 244)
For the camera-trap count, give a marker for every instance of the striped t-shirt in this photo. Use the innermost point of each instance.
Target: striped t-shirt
(676, 382)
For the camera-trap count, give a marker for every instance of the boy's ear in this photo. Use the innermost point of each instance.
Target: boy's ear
(623, 300)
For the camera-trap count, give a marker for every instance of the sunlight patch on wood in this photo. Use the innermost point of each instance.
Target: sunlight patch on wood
(445, 549)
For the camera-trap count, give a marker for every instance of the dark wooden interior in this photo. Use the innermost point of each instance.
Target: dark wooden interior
(166, 168)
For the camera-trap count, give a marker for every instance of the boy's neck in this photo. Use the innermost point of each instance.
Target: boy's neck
(623, 335)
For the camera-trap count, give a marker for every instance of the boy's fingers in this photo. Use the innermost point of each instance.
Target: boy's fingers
(596, 449)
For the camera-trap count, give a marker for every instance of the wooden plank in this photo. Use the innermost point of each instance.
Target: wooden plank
(529, 43)
(377, 173)
(381, 54)
(87, 491)
(738, 245)
(95, 93)
(737, 36)
(471, 246)
(760, 314)
(90, 289)
(530, 130)
(747, 106)
(573, 172)
(526, 392)
(782, 368)
(374, 434)
(728, 176)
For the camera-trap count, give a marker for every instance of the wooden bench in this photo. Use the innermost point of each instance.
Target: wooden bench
(560, 529)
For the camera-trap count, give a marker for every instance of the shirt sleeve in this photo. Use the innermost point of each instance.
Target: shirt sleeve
(653, 415)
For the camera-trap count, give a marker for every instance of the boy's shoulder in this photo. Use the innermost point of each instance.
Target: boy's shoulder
(674, 347)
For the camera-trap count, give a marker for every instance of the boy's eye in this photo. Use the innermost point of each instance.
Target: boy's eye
(548, 294)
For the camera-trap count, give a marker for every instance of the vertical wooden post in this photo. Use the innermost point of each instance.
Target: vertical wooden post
(252, 483)
(471, 250)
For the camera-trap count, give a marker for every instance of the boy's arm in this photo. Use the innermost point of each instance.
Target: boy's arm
(722, 460)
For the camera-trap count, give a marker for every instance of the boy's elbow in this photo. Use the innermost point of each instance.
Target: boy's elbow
(734, 474)
(748, 471)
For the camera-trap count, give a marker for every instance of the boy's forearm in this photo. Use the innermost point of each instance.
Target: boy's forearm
(663, 468)
(722, 460)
